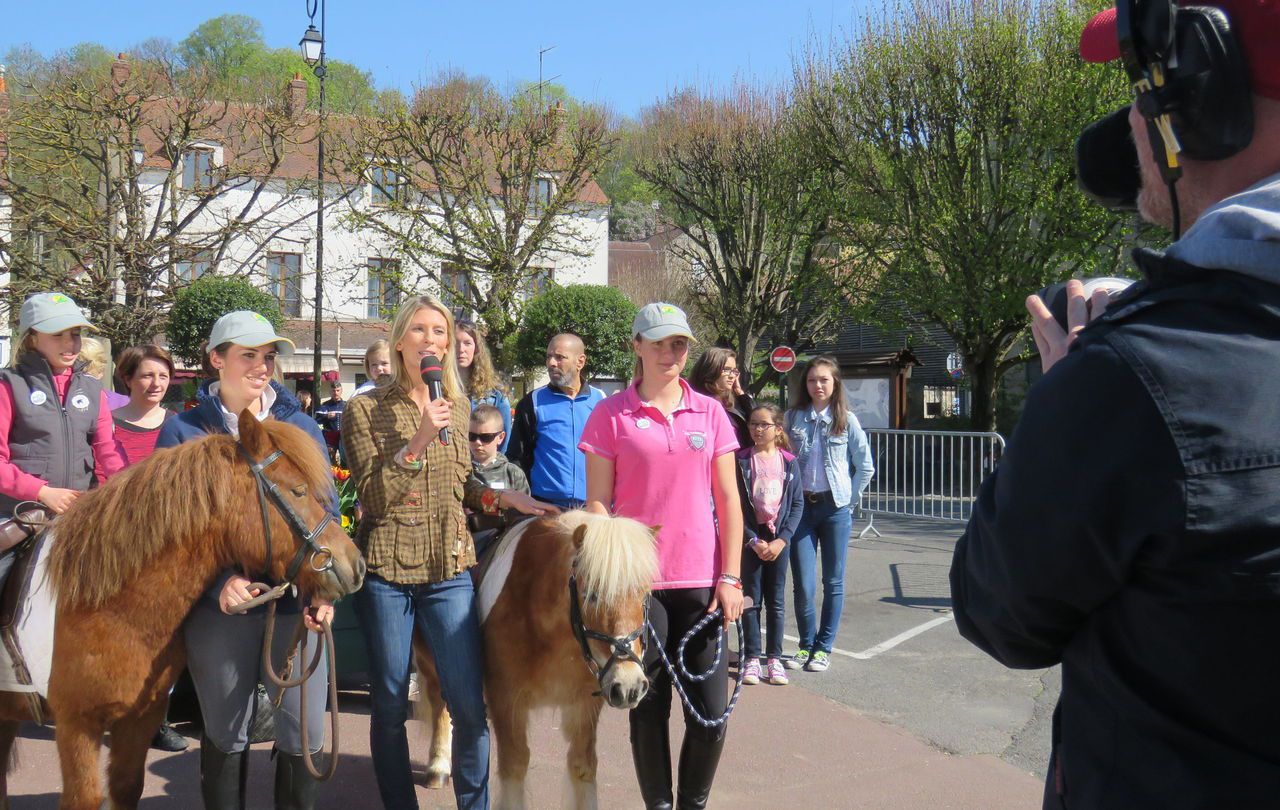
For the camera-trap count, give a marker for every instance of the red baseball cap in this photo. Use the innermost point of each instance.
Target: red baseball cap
(1255, 23)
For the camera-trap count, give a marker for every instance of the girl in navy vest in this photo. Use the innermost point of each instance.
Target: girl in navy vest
(222, 648)
(54, 422)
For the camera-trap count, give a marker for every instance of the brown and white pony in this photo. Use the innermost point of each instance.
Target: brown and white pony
(129, 561)
(540, 652)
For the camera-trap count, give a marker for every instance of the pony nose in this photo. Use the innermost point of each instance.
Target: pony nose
(360, 568)
(617, 695)
(642, 689)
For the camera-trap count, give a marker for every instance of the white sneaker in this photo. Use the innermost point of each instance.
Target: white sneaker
(798, 660)
(818, 662)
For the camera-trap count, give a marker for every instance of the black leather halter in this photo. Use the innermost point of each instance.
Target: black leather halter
(269, 489)
(621, 645)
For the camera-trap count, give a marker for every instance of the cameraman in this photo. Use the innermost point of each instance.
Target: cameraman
(1132, 532)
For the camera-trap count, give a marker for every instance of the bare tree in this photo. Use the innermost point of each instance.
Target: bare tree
(122, 183)
(476, 191)
(736, 177)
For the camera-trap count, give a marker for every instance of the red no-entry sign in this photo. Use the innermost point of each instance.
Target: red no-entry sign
(782, 359)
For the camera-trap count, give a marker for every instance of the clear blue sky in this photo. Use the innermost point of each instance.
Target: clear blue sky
(624, 54)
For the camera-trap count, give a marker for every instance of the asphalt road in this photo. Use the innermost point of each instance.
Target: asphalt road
(933, 684)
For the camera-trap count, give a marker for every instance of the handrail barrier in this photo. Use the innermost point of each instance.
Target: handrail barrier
(928, 474)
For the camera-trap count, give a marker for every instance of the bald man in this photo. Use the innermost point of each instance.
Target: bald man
(548, 425)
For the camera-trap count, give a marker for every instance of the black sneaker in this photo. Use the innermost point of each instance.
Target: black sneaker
(167, 739)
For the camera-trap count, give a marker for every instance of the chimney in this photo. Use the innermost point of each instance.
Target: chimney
(297, 101)
(119, 72)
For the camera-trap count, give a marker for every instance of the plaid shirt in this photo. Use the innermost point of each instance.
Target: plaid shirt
(413, 530)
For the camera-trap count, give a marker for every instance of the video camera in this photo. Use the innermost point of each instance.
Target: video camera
(1055, 295)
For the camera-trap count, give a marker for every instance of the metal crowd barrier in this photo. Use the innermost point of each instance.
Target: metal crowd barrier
(927, 474)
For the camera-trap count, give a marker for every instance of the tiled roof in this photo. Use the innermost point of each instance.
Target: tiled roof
(353, 336)
(241, 142)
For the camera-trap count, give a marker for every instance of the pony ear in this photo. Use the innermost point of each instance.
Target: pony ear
(655, 530)
(579, 534)
(253, 436)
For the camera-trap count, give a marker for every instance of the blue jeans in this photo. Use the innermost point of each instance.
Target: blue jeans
(765, 583)
(822, 526)
(445, 614)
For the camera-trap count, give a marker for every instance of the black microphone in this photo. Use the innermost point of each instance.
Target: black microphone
(433, 376)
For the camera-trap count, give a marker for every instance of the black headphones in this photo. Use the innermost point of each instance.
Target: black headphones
(1192, 87)
(1190, 79)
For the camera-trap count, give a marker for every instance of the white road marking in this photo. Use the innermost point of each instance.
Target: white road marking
(885, 646)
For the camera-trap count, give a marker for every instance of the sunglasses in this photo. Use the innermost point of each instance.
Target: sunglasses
(483, 438)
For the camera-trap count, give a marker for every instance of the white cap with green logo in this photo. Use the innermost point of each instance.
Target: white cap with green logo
(659, 320)
(245, 328)
(51, 313)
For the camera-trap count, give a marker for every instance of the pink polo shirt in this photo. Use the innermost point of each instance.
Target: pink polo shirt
(662, 476)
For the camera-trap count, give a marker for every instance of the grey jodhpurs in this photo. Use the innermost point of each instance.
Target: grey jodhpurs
(223, 653)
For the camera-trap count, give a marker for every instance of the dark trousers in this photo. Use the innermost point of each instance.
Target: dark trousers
(765, 583)
(672, 613)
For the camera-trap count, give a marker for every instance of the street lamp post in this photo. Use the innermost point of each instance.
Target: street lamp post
(312, 45)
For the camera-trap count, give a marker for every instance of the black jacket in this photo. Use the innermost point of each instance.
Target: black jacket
(1132, 534)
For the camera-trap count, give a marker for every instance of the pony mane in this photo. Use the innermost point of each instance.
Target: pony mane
(110, 534)
(618, 558)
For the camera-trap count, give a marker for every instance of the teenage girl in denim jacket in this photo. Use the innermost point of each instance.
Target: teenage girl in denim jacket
(835, 465)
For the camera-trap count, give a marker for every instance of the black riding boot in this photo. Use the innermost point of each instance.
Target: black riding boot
(699, 757)
(651, 752)
(295, 788)
(219, 777)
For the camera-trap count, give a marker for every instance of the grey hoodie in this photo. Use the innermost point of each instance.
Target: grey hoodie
(1240, 233)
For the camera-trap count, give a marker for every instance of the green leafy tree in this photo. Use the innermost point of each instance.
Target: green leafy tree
(632, 213)
(601, 316)
(950, 126)
(206, 300)
(223, 44)
(231, 50)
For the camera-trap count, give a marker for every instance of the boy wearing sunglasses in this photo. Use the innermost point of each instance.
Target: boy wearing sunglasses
(484, 438)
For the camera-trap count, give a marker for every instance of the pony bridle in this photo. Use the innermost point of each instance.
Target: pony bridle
(620, 645)
(321, 556)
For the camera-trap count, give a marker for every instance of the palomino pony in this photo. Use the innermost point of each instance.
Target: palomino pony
(565, 631)
(131, 558)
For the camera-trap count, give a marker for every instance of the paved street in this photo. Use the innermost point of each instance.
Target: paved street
(913, 721)
(935, 685)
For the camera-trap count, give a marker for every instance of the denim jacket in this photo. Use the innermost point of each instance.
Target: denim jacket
(848, 460)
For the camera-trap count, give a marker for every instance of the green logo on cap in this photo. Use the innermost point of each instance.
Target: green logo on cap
(667, 309)
(258, 317)
(59, 299)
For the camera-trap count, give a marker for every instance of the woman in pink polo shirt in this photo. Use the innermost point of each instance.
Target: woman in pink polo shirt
(660, 453)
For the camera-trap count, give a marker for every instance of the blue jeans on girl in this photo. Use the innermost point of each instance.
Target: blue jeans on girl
(445, 614)
(765, 583)
(825, 528)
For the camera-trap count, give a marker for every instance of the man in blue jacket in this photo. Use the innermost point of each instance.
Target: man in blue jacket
(1132, 531)
(549, 423)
